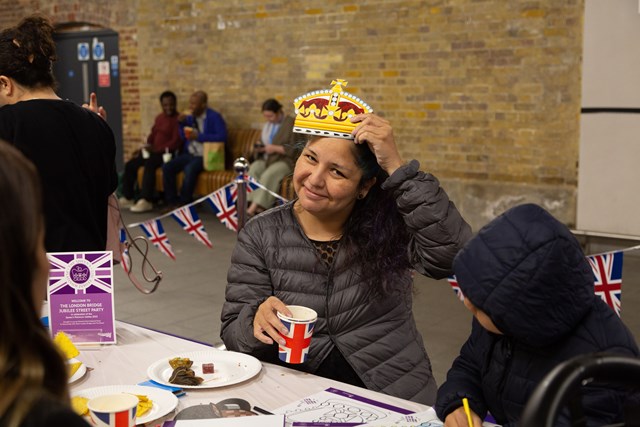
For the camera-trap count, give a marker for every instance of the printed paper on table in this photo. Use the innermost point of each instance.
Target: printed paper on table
(338, 407)
(80, 294)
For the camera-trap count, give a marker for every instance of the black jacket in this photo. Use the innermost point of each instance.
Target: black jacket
(528, 273)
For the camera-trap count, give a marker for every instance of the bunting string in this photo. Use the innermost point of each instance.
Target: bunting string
(223, 202)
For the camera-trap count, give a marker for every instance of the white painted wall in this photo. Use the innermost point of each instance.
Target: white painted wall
(609, 172)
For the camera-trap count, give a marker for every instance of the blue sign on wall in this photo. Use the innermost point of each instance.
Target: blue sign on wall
(83, 51)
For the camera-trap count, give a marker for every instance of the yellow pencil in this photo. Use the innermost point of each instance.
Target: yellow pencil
(467, 411)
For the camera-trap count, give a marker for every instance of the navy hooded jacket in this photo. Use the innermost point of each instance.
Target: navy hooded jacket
(527, 272)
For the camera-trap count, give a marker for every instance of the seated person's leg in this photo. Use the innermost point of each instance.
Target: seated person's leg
(129, 180)
(255, 171)
(191, 172)
(145, 203)
(149, 176)
(169, 172)
(270, 178)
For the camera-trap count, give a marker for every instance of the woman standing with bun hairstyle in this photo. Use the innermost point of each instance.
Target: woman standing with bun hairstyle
(72, 148)
(33, 375)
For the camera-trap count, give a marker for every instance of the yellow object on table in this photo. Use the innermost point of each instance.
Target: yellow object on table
(79, 405)
(144, 405)
(65, 345)
(73, 368)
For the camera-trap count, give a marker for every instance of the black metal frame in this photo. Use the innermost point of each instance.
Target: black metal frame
(562, 388)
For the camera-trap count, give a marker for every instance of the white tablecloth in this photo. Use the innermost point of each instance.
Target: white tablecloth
(126, 363)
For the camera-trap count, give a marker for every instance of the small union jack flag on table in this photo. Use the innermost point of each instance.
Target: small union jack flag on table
(192, 224)
(607, 274)
(297, 341)
(155, 232)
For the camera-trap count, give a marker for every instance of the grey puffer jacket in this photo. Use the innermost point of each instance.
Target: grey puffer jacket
(376, 334)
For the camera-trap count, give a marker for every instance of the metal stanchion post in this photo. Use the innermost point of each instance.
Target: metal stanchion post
(241, 165)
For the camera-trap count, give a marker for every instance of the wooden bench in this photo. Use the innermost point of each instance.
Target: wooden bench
(239, 144)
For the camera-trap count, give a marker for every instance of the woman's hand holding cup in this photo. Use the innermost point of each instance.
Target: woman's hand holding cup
(266, 323)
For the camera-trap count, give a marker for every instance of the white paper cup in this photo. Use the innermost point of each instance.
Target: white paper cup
(145, 153)
(166, 157)
(297, 341)
(113, 409)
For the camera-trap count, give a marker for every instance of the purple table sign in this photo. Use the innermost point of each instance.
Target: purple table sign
(81, 296)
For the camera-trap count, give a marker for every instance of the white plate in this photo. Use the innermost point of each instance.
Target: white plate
(229, 368)
(163, 401)
(79, 373)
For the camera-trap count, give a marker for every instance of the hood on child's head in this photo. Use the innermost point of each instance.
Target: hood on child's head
(528, 273)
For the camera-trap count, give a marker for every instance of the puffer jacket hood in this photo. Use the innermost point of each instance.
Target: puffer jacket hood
(528, 273)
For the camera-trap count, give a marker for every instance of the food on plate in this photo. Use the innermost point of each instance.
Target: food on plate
(63, 342)
(207, 368)
(180, 362)
(144, 405)
(184, 376)
(79, 405)
(73, 368)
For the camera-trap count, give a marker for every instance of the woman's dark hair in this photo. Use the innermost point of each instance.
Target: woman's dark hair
(375, 230)
(168, 94)
(30, 365)
(271, 105)
(27, 52)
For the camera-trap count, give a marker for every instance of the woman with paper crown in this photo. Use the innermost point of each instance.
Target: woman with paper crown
(346, 248)
(33, 375)
(72, 148)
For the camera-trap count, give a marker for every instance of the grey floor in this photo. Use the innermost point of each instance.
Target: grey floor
(188, 301)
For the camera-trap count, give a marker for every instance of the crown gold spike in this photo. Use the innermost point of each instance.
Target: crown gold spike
(327, 112)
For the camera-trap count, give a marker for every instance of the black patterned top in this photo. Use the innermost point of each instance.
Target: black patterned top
(327, 250)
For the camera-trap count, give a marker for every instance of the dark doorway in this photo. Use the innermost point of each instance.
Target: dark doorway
(89, 61)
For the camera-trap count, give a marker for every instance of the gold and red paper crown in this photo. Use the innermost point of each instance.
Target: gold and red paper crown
(327, 112)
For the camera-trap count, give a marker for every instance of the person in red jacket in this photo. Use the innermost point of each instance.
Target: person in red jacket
(164, 138)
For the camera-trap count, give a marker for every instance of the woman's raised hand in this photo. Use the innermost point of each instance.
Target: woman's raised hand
(93, 106)
(378, 134)
(266, 323)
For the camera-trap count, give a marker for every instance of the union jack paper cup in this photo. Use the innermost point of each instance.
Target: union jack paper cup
(113, 410)
(298, 339)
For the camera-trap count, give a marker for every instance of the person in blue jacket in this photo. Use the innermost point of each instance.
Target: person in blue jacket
(531, 290)
(202, 125)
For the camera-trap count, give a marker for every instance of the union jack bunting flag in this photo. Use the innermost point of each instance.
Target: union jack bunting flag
(456, 288)
(126, 259)
(607, 274)
(192, 224)
(223, 203)
(252, 184)
(297, 342)
(155, 232)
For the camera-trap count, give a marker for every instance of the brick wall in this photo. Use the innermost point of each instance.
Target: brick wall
(486, 94)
